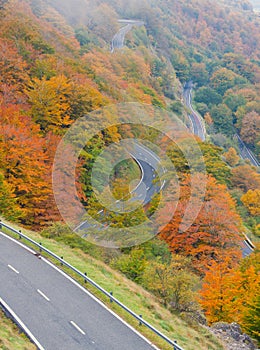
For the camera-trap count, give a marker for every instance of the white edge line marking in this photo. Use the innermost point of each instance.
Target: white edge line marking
(158, 160)
(43, 295)
(100, 303)
(17, 242)
(77, 327)
(85, 291)
(152, 154)
(142, 171)
(22, 325)
(13, 269)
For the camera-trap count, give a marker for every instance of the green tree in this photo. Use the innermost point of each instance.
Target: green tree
(234, 101)
(199, 74)
(202, 108)
(132, 265)
(224, 79)
(173, 282)
(208, 96)
(177, 107)
(238, 64)
(214, 163)
(223, 119)
(181, 65)
(251, 320)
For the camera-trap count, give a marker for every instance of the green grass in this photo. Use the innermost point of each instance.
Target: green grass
(11, 338)
(135, 297)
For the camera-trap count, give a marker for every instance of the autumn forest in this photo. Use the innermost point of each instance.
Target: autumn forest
(56, 66)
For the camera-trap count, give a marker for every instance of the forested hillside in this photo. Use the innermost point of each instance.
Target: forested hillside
(56, 67)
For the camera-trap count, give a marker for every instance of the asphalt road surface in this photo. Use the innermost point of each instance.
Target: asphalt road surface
(119, 38)
(247, 248)
(198, 127)
(60, 314)
(150, 184)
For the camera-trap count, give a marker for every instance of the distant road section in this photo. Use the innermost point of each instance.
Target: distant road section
(58, 312)
(119, 38)
(198, 127)
(245, 152)
(151, 167)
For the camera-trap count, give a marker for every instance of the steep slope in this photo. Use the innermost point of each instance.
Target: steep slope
(56, 66)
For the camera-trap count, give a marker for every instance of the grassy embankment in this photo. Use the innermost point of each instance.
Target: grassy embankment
(134, 296)
(11, 338)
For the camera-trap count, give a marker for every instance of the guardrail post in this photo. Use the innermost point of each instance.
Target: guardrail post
(140, 322)
(85, 280)
(40, 248)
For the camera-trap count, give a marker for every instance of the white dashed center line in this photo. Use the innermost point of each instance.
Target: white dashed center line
(43, 295)
(77, 327)
(13, 269)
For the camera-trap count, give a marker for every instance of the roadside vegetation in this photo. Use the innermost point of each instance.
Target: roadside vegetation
(10, 336)
(83, 256)
(56, 67)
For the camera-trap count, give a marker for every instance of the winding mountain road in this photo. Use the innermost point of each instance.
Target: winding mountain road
(150, 184)
(198, 127)
(119, 38)
(60, 314)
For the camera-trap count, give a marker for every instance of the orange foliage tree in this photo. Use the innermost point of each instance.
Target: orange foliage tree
(245, 178)
(13, 75)
(227, 293)
(220, 286)
(215, 232)
(23, 162)
(250, 127)
(252, 201)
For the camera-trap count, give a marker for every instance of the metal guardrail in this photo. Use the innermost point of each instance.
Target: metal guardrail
(249, 154)
(93, 283)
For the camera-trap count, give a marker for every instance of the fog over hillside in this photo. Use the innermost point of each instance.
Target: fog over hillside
(256, 4)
